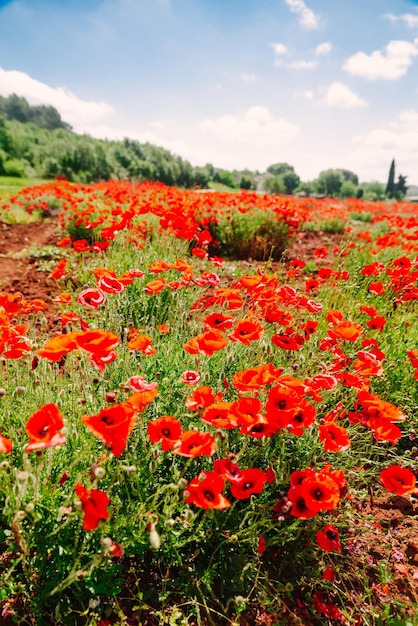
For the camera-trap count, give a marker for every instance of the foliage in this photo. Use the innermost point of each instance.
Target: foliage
(17, 108)
(253, 235)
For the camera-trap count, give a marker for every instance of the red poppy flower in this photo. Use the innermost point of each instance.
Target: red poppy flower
(60, 269)
(59, 346)
(219, 321)
(253, 378)
(247, 330)
(205, 492)
(43, 428)
(227, 469)
(219, 415)
(376, 323)
(96, 341)
(384, 430)
(321, 252)
(250, 481)
(110, 284)
(202, 397)
(137, 383)
(291, 341)
(142, 343)
(300, 507)
(6, 444)
(112, 425)
(261, 545)
(334, 437)
(377, 288)
(155, 286)
(398, 479)
(165, 428)
(321, 492)
(329, 539)
(193, 443)
(347, 330)
(91, 298)
(190, 377)
(94, 503)
(141, 399)
(207, 343)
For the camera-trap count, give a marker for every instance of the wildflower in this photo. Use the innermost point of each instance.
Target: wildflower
(193, 443)
(250, 481)
(334, 437)
(6, 444)
(398, 479)
(165, 428)
(110, 284)
(219, 415)
(142, 343)
(60, 269)
(94, 503)
(91, 298)
(219, 321)
(247, 330)
(261, 545)
(207, 343)
(43, 428)
(205, 492)
(112, 425)
(329, 539)
(190, 377)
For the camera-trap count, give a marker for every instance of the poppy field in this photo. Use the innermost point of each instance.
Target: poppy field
(211, 418)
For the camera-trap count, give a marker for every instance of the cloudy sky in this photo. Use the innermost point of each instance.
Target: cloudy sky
(237, 83)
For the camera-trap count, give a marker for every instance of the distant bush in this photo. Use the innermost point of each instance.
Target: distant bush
(253, 235)
(361, 216)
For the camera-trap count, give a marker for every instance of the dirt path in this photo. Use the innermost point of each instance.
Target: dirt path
(18, 269)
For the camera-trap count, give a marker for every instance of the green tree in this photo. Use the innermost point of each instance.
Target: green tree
(280, 168)
(329, 182)
(274, 184)
(390, 187)
(401, 187)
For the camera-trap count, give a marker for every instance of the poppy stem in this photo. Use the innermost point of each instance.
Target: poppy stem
(369, 489)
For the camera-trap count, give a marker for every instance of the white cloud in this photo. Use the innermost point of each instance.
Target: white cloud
(279, 48)
(302, 65)
(248, 78)
(410, 19)
(339, 96)
(257, 126)
(307, 18)
(308, 94)
(73, 110)
(323, 48)
(390, 65)
(398, 140)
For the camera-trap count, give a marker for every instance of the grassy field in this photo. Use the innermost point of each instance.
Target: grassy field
(190, 439)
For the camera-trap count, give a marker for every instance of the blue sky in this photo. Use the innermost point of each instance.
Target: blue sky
(237, 83)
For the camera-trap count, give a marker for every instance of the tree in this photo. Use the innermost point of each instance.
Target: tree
(390, 187)
(280, 168)
(329, 182)
(401, 187)
(274, 184)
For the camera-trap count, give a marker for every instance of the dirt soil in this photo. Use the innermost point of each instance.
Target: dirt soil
(383, 540)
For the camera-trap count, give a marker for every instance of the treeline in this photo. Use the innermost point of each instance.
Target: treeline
(36, 142)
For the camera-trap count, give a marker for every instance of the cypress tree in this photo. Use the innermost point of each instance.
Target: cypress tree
(390, 187)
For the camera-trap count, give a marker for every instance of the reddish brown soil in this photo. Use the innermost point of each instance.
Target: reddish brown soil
(383, 545)
(19, 267)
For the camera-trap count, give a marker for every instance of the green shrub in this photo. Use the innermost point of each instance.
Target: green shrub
(361, 216)
(254, 235)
